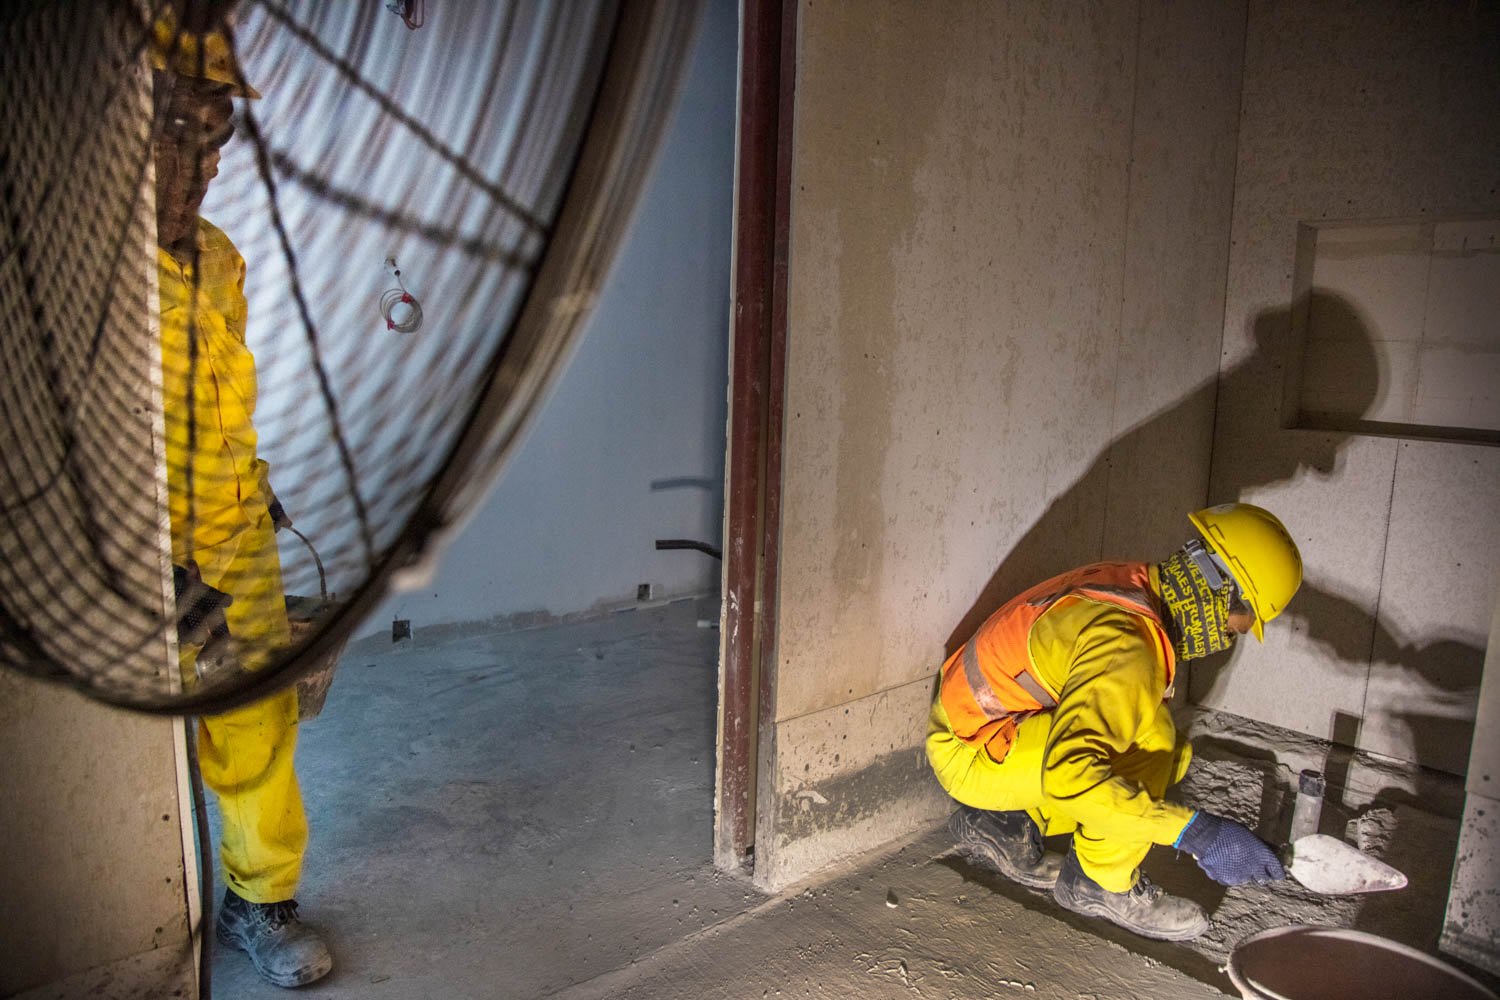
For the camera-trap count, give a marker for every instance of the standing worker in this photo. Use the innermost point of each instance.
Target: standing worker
(224, 515)
(1052, 719)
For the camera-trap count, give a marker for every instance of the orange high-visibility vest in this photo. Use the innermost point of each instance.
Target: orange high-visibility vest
(990, 684)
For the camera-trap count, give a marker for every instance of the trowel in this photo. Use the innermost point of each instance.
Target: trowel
(1329, 866)
(1325, 864)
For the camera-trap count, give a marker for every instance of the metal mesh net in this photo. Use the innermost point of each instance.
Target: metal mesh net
(491, 157)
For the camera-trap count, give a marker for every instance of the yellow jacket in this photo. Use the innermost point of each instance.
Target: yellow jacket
(1092, 744)
(1107, 666)
(205, 359)
(246, 754)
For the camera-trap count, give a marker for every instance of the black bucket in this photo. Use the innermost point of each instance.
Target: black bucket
(1329, 963)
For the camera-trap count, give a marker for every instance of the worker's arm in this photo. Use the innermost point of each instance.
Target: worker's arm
(1115, 682)
(233, 306)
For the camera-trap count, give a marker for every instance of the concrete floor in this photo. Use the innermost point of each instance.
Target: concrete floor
(508, 815)
(529, 814)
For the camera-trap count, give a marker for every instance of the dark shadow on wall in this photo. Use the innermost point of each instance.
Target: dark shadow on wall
(1147, 480)
(1445, 672)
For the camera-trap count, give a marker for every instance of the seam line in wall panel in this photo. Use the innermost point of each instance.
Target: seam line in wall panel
(1114, 387)
(1234, 197)
(1385, 551)
(1416, 382)
(929, 679)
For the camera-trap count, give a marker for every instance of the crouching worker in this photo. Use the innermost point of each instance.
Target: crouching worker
(1052, 719)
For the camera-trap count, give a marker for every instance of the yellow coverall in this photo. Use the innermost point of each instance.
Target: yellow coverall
(245, 755)
(1099, 763)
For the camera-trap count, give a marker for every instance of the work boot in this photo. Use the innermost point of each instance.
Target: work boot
(1144, 909)
(284, 950)
(1008, 842)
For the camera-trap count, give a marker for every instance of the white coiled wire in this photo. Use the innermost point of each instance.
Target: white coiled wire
(395, 299)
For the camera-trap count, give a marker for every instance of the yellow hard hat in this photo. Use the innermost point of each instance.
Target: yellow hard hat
(1259, 554)
(181, 50)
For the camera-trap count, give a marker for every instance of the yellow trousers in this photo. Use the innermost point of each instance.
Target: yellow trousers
(245, 754)
(970, 775)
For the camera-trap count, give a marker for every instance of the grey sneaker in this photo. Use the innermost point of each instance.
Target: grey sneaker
(1145, 909)
(1007, 842)
(284, 950)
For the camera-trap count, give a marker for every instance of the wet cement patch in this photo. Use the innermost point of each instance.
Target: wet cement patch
(848, 799)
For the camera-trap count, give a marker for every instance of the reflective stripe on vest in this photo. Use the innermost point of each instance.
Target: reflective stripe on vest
(990, 685)
(985, 695)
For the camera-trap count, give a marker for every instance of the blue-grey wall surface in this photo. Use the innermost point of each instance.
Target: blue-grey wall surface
(630, 446)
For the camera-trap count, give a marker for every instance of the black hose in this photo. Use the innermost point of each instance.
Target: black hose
(205, 865)
(688, 543)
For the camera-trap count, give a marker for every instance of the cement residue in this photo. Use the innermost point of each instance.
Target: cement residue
(1372, 832)
(1240, 771)
(911, 924)
(846, 799)
(1245, 791)
(1240, 791)
(930, 926)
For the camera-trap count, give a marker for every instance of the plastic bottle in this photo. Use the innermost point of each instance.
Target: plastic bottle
(1309, 807)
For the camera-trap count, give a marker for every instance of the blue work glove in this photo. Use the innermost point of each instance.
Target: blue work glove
(1228, 852)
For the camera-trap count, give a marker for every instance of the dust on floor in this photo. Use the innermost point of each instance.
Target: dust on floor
(914, 924)
(529, 815)
(921, 923)
(505, 814)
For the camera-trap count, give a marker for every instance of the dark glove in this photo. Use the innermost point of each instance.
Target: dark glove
(200, 608)
(1228, 852)
(279, 516)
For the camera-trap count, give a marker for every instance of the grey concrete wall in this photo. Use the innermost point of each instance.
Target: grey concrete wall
(630, 446)
(1358, 112)
(91, 889)
(1009, 233)
(1471, 929)
(92, 871)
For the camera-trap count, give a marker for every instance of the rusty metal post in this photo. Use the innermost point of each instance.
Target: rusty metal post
(762, 212)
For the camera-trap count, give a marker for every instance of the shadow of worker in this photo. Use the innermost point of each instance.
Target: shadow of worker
(1131, 502)
(1422, 688)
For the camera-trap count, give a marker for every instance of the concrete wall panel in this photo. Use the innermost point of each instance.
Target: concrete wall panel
(847, 777)
(93, 840)
(1007, 273)
(1442, 570)
(957, 234)
(1181, 196)
(1333, 493)
(1351, 112)
(1472, 927)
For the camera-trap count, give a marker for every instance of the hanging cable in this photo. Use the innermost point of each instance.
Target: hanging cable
(398, 307)
(205, 864)
(411, 12)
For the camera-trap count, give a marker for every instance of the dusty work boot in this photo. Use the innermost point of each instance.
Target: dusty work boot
(284, 950)
(1008, 842)
(1145, 909)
